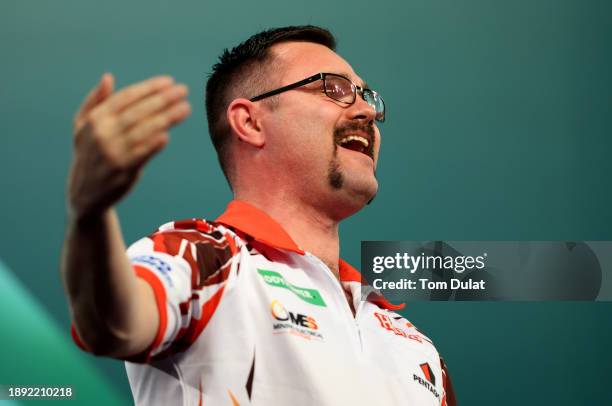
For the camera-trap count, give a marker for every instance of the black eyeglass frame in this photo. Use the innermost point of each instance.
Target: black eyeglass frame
(322, 76)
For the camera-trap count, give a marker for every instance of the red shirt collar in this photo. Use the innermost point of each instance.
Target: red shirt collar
(256, 223)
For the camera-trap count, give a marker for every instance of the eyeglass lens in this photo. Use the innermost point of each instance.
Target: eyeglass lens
(339, 89)
(342, 90)
(374, 100)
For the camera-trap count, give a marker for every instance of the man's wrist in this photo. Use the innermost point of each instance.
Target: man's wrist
(88, 219)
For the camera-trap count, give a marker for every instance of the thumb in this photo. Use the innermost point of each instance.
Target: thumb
(106, 86)
(103, 89)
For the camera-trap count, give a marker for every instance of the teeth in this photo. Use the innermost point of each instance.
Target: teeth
(355, 138)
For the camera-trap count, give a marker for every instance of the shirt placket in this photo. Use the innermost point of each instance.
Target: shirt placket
(339, 296)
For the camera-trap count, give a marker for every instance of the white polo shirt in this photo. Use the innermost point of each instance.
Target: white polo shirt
(248, 318)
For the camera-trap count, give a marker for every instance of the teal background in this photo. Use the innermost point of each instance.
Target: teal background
(499, 127)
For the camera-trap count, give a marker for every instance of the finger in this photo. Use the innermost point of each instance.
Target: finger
(131, 94)
(152, 104)
(99, 93)
(159, 122)
(149, 148)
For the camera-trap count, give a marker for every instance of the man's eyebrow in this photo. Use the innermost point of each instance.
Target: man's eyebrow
(364, 84)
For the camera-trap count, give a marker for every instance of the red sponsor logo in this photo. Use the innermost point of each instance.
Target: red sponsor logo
(387, 323)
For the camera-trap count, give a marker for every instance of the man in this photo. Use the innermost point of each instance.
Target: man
(255, 307)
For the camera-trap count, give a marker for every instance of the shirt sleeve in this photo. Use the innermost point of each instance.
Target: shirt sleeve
(188, 266)
(449, 398)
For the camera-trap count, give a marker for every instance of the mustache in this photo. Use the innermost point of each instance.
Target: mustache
(348, 128)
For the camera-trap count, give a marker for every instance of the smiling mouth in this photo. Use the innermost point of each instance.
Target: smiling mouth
(356, 143)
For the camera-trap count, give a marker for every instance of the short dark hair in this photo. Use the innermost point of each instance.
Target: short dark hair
(239, 73)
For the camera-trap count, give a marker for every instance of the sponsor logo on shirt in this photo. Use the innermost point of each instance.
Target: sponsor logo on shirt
(311, 296)
(155, 263)
(386, 323)
(294, 323)
(430, 379)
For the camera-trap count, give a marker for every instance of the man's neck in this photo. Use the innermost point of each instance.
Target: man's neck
(311, 230)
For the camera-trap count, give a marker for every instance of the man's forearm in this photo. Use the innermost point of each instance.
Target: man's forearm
(113, 310)
(115, 135)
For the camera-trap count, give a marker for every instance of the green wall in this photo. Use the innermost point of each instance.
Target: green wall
(499, 127)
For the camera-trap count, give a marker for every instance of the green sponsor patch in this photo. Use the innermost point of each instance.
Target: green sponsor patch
(311, 296)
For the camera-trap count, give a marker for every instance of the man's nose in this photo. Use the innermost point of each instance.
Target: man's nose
(361, 110)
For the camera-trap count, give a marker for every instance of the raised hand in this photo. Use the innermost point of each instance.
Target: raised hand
(115, 134)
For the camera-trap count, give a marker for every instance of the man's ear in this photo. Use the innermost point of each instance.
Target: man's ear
(242, 117)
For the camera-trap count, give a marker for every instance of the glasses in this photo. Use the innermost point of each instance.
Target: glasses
(338, 88)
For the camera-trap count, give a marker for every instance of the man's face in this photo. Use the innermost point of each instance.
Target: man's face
(319, 140)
